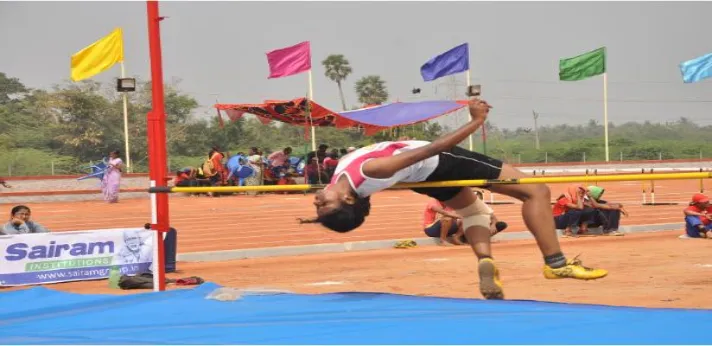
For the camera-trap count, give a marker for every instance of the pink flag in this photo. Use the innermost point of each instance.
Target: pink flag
(289, 61)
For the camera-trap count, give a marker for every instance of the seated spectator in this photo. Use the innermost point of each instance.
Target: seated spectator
(608, 215)
(20, 222)
(449, 224)
(697, 217)
(343, 152)
(315, 171)
(320, 154)
(183, 177)
(568, 210)
(330, 163)
(287, 178)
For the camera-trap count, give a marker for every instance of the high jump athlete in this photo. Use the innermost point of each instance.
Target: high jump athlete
(344, 204)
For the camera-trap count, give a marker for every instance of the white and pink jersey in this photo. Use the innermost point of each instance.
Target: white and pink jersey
(351, 166)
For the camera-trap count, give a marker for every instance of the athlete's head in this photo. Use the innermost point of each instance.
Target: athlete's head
(339, 209)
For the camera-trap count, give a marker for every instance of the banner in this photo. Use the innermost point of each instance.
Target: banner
(41, 258)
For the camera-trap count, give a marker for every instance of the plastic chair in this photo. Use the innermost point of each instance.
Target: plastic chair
(97, 171)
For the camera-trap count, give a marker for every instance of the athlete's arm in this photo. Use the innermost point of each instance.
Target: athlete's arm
(385, 167)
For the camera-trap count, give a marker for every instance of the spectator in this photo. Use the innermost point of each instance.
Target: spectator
(280, 158)
(321, 153)
(216, 159)
(608, 215)
(20, 223)
(568, 210)
(111, 182)
(449, 224)
(697, 217)
(255, 161)
(350, 149)
(314, 171)
(343, 152)
(330, 163)
(182, 178)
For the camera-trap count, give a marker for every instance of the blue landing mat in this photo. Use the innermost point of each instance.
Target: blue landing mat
(45, 316)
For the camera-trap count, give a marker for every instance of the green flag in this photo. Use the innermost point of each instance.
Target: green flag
(583, 66)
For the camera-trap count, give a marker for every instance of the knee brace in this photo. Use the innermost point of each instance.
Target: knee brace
(476, 214)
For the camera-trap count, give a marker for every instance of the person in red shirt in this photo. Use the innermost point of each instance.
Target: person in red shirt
(697, 217)
(449, 224)
(568, 210)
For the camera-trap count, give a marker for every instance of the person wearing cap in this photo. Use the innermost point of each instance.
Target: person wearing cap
(697, 217)
(607, 215)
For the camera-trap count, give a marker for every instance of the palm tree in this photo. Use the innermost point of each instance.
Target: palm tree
(337, 69)
(371, 90)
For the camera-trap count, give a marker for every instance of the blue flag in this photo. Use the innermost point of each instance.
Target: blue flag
(697, 69)
(455, 60)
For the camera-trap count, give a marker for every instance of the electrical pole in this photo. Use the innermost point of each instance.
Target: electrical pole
(536, 129)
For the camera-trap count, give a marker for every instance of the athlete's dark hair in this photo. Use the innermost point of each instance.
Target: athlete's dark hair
(347, 217)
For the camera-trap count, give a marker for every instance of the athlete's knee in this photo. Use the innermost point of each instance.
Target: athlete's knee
(476, 214)
(540, 191)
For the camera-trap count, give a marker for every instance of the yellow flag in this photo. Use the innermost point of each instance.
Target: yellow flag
(98, 57)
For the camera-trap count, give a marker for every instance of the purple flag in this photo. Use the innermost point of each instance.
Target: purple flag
(455, 60)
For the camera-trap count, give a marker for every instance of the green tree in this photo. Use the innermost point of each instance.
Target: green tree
(371, 90)
(9, 87)
(337, 68)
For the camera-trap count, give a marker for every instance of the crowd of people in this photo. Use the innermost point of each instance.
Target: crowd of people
(254, 168)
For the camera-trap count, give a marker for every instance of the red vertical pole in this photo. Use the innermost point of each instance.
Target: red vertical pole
(157, 139)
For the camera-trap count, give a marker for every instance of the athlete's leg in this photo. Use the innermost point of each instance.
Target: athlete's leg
(478, 235)
(536, 209)
(476, 218)
(538, 217)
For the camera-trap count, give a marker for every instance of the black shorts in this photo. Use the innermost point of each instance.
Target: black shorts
(460, 164)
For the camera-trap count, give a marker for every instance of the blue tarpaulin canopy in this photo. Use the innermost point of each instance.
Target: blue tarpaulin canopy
(373, 119)
(399, 114)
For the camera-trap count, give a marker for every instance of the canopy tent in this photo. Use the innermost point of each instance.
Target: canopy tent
(372, 119)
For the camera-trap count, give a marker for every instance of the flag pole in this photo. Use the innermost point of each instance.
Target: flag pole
(311, 97)
(467, 80)
(126, 122)
(605, 112)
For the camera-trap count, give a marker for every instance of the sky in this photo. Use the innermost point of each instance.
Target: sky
(217, 50)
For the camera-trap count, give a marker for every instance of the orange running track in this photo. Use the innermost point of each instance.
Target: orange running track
(239, 222)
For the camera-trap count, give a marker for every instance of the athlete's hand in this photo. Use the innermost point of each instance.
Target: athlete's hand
(479, 109)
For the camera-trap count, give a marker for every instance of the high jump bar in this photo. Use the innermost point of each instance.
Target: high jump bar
(452, 183)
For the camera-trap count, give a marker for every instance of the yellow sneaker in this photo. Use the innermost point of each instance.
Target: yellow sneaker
(490, 285)
(574, 270)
